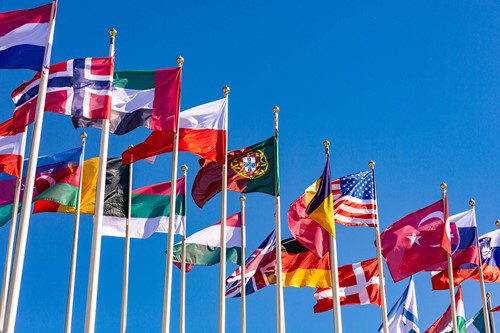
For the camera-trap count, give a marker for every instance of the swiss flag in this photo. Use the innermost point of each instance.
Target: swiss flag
(417, 241)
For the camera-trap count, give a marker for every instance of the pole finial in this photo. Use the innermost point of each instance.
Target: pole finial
(83, 135)
(130, 146)
(276, 109)
(488, 294)
(112, 32)
(180, 61)
(184, 168)
(472, 202)
(443, 186)
(326, 143)
(243, 198)
(226, 90)
(498, 223)
(371, 164)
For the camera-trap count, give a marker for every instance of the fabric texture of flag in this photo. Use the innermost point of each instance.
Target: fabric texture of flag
(259, 269)
(202, 131)
(203, 247)
(358, 284)
(11, 149)
(150, 212)
(443, 324)
(142, 98)
(403, 316)
(476, 323)
(319, 200)
(354, 205)
(23, 35)
(250, 169)
(78, 87)
(416, 242)
(301, 268)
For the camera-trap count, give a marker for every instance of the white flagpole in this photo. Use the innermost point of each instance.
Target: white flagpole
(280, 311)
(170, 237)
(334, 269)
(243, 265)
(24, 221)
(182, 325)
(74, 250)
(95, 252)
(126, 254)
(12, 235)
(381, 276)
(450, 268)
(222, 272)
(492, 321)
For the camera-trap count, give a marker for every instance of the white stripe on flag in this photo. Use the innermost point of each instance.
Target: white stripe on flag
(28, 34)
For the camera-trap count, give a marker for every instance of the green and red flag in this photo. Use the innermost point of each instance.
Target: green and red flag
(250, 169)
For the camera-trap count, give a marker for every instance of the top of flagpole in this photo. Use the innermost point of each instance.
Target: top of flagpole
(112, 35)
(243, 198)
(498, 223)
(326, 143)
(371, 164)
(180, 61)
(443, 186)
(184, 168)
(83, 136)
(276, 109)
(472, 203)
(226, 90)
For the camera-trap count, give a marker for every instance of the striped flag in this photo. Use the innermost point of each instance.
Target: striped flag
(11, 148)
(444, 324)
(403, 317)
(476, 323)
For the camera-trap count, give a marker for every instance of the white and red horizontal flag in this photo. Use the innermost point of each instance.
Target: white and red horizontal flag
(11, 149)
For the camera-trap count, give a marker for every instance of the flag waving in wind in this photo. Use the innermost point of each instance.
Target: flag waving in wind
(444, 324)
(403, 316)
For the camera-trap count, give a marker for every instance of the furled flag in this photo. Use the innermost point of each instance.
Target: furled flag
(476, 323)
(150, 212)
(443, 324)
(259, 269)
(78, 87)
(141, 98)
(358, 284)
(202, 131)
(354, 203)
(489, 245)
(416, 242)
(11, 148)
(250, 169)
(23, 36)
(203, 247)
(301, 268)
(403, 316)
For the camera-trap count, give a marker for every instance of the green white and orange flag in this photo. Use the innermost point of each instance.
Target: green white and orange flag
(444, 324)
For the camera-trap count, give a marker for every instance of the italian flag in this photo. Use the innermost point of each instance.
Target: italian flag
(150, 212)
(203, 247)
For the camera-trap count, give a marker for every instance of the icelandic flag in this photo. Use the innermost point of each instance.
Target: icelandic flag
(403, 317)
(23, 36)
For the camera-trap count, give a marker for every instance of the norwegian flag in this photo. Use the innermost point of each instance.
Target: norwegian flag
(78, 87)
(359, 284)
(260, 270)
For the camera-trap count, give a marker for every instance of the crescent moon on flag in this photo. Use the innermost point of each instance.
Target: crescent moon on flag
(432, 216)
(49, 180)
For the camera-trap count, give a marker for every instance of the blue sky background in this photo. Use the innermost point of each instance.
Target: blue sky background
(412, 85)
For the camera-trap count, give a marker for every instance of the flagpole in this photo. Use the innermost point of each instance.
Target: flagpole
(334, 270)
(12, 235)
(24, 220)
(95, 252)
(482, 287)
(222, 276)
(126, 254)
(243, 265)
(74, 250)
(170, 237)
(450, 264)
(381, 276)
(492, 321)
(182, 325)
(280, 312)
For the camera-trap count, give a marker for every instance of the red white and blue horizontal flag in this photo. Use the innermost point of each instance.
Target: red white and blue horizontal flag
(78, 87)
(23, 37)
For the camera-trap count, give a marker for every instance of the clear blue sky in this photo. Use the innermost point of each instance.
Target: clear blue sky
(412, 85)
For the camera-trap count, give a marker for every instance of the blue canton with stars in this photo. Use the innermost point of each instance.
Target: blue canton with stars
(358, 185)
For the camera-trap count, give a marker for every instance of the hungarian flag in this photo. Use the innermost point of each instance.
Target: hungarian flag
(444, 324)
(202, 131)
(142, 98)
(250, 169)
(77, 87)
(11, 148)
(358, 284)
(416, 242)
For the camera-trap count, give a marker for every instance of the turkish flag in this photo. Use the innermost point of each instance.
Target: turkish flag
(417, 241)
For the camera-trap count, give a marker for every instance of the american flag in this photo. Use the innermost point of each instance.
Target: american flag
(260, 269)
(354, 200)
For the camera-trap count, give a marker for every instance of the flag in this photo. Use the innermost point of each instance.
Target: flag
(319, 200)
(250, 169)
(358, 284)
(203, 247)
(476, 323)
(489, 246)
(354, 205)
(443, 324)
(301, 268)
(416, 242)
(150, 212)
(78, 87)
(259, 269)
(202, 131)
(11, 148)
(403, 316)
(23, 36)
(141, 98)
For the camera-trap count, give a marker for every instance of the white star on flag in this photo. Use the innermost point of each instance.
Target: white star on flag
(413, 238)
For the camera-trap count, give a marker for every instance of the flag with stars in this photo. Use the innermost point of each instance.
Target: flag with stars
(416, 242)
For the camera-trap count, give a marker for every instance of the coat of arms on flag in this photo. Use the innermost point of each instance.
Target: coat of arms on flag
(253, 165)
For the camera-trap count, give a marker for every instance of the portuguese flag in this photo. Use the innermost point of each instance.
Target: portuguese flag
(250, 169)
(142, 98)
